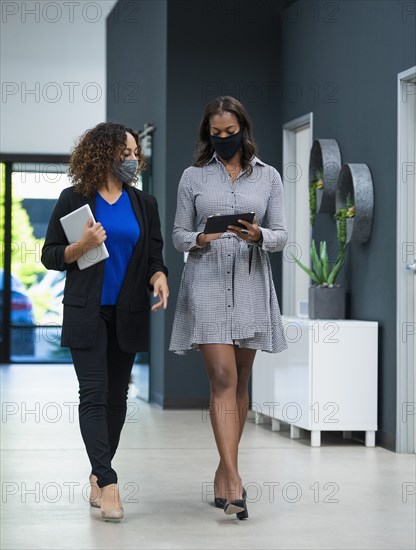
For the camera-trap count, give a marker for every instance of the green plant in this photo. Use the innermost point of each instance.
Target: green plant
(341, 215)
(317, 183)
(26, 248)
(321, 273)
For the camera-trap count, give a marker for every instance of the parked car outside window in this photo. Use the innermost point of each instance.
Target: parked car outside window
(21, 316)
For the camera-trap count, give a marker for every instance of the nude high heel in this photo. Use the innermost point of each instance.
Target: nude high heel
(111, 506)
(95, 494)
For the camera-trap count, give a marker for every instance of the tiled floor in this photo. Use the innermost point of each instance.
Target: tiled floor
(341, 495)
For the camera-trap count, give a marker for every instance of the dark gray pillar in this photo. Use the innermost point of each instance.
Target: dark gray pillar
(180, 55)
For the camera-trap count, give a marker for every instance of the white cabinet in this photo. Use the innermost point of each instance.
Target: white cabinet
(325, 381)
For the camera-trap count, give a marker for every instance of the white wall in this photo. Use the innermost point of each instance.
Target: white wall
(56, 50)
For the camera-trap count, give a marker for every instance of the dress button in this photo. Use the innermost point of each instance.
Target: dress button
(229, 306)
(228, 272)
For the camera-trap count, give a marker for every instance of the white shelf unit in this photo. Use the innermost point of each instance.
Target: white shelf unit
(325, 381)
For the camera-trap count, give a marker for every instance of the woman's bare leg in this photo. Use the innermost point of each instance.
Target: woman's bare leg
(244, 361)
(220, 362)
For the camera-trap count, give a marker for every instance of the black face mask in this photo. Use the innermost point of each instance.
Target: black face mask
(228, 146)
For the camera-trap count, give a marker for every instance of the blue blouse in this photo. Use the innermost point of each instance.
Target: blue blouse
(123, 231)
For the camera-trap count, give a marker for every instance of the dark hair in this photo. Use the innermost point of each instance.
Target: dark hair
(217, 107)
(95, 153)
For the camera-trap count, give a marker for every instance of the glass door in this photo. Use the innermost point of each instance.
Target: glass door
(36, 293)
(2, 240)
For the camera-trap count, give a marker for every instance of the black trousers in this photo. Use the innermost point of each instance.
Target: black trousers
(103, 373)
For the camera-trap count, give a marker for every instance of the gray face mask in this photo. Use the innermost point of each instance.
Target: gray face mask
(126, 170)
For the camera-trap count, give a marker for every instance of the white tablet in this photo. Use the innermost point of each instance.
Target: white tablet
(73, 224)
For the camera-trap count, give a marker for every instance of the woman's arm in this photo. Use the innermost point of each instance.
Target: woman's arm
(56, 243)
(183, 236)
(57, 253)
(273, 227)
(156, 265)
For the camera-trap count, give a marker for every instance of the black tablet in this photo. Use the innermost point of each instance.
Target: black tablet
(219, 223)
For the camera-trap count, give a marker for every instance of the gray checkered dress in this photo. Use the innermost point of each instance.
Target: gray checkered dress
(226, 293)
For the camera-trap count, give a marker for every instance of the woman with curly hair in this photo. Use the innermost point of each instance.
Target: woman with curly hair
(107, 305)
(227, 305)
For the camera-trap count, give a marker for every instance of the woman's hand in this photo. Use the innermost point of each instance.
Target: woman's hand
(159, 283)
(204, 238)
(93, 235)
(250, 232)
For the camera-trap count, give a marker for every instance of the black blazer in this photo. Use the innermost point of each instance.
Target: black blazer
(82, 293)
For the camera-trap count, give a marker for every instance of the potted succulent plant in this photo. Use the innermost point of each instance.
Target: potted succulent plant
(326, 298)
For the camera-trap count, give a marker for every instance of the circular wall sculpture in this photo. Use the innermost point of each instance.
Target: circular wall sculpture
(325, 163)
(356, 184)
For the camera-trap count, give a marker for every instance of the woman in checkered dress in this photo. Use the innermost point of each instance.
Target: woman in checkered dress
(227, 305)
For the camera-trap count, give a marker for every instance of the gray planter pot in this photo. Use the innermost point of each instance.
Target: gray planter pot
(326, 302)
(325, 158)
(355, 180)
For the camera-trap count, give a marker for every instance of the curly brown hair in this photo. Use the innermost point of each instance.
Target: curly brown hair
(95, 153)
(217, 107)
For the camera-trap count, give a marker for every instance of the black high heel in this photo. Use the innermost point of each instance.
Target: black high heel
(237, 506)
(220, 502)
(244, 513)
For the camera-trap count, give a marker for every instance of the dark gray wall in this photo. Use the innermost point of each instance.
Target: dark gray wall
(344, 61)
(136, 94)
(182, 54)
